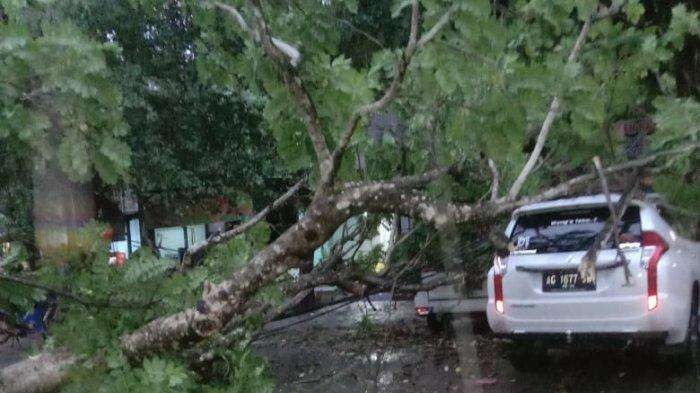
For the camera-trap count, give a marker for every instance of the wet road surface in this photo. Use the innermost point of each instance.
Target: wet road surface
(355, 348)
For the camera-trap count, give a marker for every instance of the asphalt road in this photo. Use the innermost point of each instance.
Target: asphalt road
(340, 350)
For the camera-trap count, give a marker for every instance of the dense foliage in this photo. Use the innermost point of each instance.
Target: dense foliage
(197, 94)
(106, 302)
(57, 96)
(190, 141)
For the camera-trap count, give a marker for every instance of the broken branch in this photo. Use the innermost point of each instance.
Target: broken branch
(495, 182)
(603, 12)
(44, 372)
(291, 52)
(587, 267)
(613, 215)
(196, 250)
(286, 57)
(414, 43)
(548, 121)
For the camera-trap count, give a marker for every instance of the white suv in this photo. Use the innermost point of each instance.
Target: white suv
(536, 290)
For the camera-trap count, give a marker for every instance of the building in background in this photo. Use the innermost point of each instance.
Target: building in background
(169, 234)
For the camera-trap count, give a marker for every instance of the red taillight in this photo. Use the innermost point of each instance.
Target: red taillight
(498, 292)
(499, 269)
(654, 247)
(422, 311)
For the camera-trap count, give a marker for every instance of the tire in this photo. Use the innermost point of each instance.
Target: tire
(438, 323)
(480, 324)
(689, 355)
(527, 357)
(692, 341)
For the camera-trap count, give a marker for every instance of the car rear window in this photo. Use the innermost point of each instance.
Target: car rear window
(570, 230)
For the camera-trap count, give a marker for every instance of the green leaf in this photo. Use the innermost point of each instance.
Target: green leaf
(634, 10)
(74, 156)
(682, 23)
(351, 5)
(586, 8)
(398, 7)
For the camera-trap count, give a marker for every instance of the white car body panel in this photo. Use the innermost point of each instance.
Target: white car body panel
(445, 300)
(614, 306)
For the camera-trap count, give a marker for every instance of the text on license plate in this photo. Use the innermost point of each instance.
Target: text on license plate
(565, 280)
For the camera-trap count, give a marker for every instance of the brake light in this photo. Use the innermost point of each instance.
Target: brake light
(654, 247)
(499, 265)
(499, 269)
(498, 292)
(422, 311)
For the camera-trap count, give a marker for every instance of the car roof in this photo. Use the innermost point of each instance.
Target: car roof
(582, 201)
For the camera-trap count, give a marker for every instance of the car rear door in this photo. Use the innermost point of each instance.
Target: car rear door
(543, 267)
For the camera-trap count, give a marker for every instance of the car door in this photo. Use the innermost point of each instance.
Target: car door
(542, 280)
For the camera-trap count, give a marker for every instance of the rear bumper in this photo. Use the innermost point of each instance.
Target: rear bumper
(585, 339)
(658, 324)
(622, 312)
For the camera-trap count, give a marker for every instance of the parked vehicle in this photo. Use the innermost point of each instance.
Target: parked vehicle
(441, 303)
(537, 293)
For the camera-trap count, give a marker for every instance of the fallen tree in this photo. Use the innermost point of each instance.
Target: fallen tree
(330, 207)
(333, 203)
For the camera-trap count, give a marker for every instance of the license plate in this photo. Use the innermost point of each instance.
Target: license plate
(564, 281)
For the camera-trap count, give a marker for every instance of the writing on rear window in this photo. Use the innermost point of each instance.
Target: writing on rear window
(581, 220)
(570, 230)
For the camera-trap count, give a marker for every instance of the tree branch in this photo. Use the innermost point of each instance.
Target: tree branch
(439, 25)
(382, 197)
(196, 250)
(286, 56)
(613, 215)
(44, 372)
(603, 12)
(568, 186)
(292, 53)
(495, 182)
(413, 181)
(69, 296)
(548, 121)
(391, 92)
(587, 267)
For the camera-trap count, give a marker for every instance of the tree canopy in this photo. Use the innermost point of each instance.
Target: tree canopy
(450, 112)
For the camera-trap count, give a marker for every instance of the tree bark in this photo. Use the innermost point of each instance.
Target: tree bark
(41, 373)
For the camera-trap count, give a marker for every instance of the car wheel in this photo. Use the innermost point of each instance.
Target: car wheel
(693, 337)
(480, 324)
(689, 355)
(433, 323)
(438, 323)
(527, 357)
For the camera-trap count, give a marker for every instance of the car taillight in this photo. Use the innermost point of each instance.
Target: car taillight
(499, 269)
(499, 265)
(498, 292)
(654, 247)
(422, 311)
